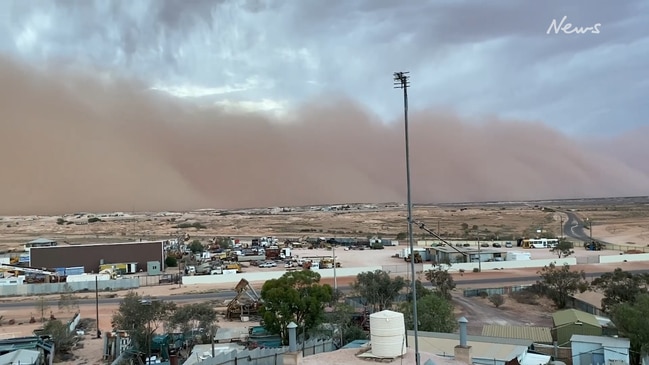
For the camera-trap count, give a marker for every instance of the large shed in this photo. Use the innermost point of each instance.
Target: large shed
(570, 322)
(541, 335)
(91, 256)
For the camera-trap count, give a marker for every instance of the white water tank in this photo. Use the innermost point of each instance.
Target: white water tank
(388, 334)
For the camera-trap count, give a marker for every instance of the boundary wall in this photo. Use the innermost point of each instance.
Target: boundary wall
(268, 275)
(497, 265)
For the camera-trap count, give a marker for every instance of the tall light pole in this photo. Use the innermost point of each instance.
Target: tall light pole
(333, 249)
(401, 81)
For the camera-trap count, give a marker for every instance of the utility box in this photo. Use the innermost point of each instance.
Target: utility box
(153, 268)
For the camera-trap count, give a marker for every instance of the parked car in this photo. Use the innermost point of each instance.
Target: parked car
(497, 245)
(267, 264)
(485, 244)
(508, 245)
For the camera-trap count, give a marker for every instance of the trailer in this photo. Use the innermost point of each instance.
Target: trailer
(251, 258)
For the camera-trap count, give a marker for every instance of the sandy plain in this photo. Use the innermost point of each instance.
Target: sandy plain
(623, 223)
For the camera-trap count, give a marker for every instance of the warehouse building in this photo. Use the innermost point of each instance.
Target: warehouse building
(147, 256)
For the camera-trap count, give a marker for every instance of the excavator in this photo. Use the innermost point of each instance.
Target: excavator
(247, 302)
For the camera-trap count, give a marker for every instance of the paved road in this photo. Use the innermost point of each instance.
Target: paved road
(229, 294)
(574, 227)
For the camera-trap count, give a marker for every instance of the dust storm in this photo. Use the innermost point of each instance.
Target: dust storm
(81, 142)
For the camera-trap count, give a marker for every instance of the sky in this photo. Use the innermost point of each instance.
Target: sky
(485, 70)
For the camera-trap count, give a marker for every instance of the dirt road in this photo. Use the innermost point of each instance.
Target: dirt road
(480, 312)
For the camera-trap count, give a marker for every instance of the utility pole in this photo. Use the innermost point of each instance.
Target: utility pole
(401, 81)
(479, 253)
(560, 226)
(333, 248)
(97, 303)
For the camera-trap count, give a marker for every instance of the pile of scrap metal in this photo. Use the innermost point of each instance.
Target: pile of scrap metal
(245, 304)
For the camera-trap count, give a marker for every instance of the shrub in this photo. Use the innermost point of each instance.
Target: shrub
(171, 261)
(497, 300)
(483, 294)
(94, 220)
(525, 296)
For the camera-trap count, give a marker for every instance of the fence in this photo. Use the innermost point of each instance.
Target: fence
(560, 353)
(624, 248)
(267, 356)
(491, 291)
(402, 269)
(267, 275)
(57, 288)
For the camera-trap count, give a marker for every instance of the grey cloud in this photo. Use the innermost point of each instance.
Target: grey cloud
(476, 57)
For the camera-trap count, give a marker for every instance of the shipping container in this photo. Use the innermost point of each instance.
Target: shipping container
(79, 270)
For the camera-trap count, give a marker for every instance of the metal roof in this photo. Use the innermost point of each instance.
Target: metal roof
(570, 316)
(22, 356)
(42, 240)
(445, 347)
(536, 334)
(605, 341)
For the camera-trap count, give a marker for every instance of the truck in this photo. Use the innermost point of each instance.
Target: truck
(272, 253)
(285, 253)
(251, 258)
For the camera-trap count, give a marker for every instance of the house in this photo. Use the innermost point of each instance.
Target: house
(574, 322)
(599, 350)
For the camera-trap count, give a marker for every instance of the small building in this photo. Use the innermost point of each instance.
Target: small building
(464, 254)
(40, 242)
(484, 350)
(541, 335)
(587, 350)
(571, 322)
(153, 268)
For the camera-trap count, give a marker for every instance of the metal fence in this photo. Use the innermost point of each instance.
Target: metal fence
(624, 248)
(403, 269)
(267, 356)
(57, 288)
(491, 291)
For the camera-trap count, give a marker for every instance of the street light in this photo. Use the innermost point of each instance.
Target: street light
(401, 81)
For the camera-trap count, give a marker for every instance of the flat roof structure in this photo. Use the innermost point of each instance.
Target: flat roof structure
(90, 256)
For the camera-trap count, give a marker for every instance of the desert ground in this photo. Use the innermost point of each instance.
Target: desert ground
(619, 221)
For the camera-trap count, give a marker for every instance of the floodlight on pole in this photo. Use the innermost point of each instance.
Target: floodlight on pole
(402, 81)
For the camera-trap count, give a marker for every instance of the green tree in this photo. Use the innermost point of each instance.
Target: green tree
(201, 316)
(619, 287)
(378, 289)
(632, 320)
(196, 247)
(296, 296)
(434, 314)
(141, 317)
(402, 236)
(68, 301)
(41, 306)
(422, 291)
(559, 283)
(63, 339)
(342, 318)
(564, 248)
(171, 261)
(442, 281)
